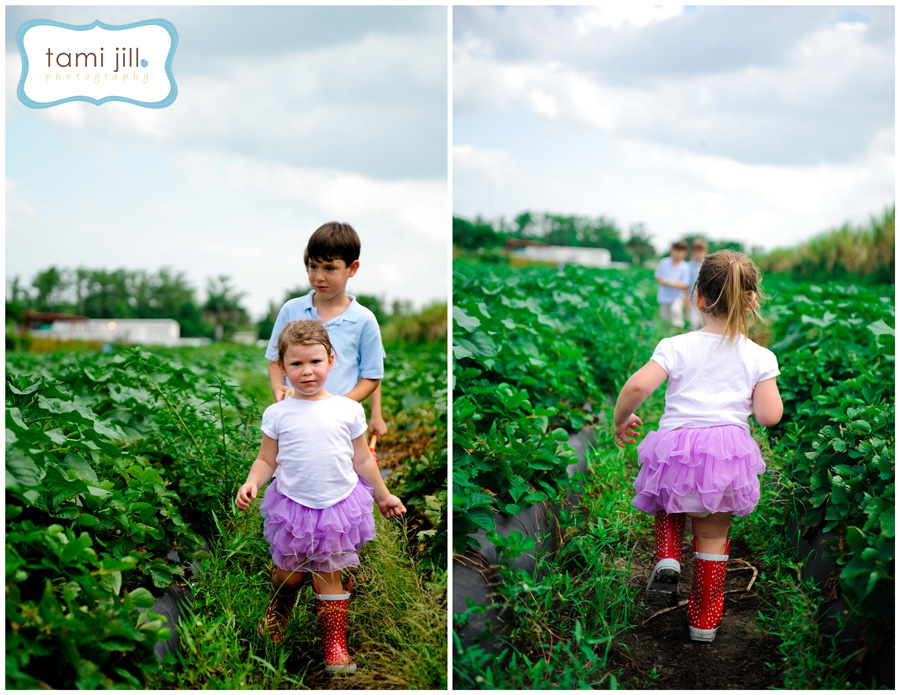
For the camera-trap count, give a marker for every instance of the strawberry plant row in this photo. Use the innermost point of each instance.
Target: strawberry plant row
(534, 350)
(835, 345)
(115, 460)
(112, 463)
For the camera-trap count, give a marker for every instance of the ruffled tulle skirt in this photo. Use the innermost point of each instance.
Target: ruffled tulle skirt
(699, 470)
(304, 539)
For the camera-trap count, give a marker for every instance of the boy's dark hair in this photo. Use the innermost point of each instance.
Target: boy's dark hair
(680, 245)
(332, 241)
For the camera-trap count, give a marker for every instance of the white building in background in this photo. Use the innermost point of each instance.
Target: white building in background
(570, 255)
(131, 331)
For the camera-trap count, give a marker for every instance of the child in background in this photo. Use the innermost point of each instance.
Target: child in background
(672, 277)
(702, 462)
(318, 512)
(331, 259)
(699, 249)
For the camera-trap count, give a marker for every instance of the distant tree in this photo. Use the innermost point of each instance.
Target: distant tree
(50, 286)
(223, 307)
(475, 235)
(524, 221)
(639, 244)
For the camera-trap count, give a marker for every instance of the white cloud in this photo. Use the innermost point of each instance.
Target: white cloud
(376, 106)
(757, 111)
(673, 191)
(616, 16)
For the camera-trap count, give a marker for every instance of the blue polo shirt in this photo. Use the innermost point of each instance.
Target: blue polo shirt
(667, 271)
(354, 334)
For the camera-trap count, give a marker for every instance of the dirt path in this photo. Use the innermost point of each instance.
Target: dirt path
(735, 660)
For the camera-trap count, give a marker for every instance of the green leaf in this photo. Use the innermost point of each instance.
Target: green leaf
(483, 519)
(463, 320)
(880, 328)
(142, 598)
(87, 520)
(162, 576)
(21, 470)
(81, 468)
(112, 582)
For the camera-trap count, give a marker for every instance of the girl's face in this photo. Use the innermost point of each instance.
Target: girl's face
(307, 367)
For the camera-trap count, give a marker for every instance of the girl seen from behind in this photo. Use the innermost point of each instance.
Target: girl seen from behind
(702, 461)
(318, 511)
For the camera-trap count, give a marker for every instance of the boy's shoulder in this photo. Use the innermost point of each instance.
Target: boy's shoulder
(358, 312)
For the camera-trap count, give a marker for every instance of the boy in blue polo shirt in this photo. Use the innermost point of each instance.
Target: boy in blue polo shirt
(332, 258)
(672, 276)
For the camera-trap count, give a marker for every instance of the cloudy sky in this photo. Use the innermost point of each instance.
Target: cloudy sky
(286, 118)
(760, 124)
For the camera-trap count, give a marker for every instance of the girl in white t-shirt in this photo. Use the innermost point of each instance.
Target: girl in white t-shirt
(702, 461)
(318, 512)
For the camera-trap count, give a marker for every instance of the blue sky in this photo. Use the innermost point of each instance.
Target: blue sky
(286, 117)
(761, 124)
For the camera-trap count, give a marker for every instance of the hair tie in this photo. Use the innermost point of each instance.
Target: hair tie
(730, 262)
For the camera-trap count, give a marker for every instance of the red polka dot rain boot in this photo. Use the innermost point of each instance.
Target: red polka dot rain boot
(707, 594)
(274, 620)
(332, 612)
(662, 589)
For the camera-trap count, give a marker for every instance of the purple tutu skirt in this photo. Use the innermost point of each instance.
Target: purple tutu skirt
(699, 470)
(304, 539)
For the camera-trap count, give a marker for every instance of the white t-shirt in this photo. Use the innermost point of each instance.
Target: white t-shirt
(315, 447)
(711, 383)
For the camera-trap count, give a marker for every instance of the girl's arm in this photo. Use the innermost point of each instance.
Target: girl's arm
(767, 405)
(261, 472)
(635, 391)
(366, 468)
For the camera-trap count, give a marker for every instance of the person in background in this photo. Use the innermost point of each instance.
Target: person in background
(672, 275)
(699, 249)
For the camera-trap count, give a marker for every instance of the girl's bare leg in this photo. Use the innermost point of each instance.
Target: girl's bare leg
(328, 583)
(711, 532)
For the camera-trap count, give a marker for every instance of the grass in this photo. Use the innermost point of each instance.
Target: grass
(810, 658)
(568, 621)
(397, 632)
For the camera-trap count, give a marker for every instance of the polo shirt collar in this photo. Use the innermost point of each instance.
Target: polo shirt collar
(351, 314)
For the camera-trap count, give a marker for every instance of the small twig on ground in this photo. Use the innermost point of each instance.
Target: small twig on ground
(684, 602)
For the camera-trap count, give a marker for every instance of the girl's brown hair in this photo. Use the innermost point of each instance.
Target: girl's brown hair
(730, 284)
(305, 332)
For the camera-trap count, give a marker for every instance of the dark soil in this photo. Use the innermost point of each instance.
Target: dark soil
(736, 659)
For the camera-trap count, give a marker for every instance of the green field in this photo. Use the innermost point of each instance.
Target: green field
(115, 460)
(539, 352)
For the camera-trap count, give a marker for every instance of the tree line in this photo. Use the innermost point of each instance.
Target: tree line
(634, 246)
(167, 294)
(132, 294)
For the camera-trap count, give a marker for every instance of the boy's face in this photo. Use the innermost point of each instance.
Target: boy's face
(678, 254)
(329, 278)
(698, 254)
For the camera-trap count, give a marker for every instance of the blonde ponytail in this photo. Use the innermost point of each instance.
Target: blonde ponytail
(729, 283)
